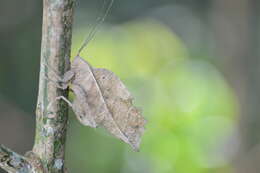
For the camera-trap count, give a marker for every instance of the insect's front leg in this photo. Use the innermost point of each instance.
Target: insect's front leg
(60, 82)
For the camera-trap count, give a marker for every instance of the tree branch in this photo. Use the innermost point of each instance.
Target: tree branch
(51, 124)
(13, 162)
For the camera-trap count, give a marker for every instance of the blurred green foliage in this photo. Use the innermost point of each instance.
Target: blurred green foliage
(189, 106)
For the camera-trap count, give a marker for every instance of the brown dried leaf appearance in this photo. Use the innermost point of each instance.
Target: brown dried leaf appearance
(81, 108)
(109, 102)
(119, 102)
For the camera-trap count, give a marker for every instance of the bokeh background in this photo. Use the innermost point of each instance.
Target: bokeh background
(192, 65)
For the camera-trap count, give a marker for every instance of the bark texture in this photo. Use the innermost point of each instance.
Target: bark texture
(13, 162)
(51, 119)
(51, 123)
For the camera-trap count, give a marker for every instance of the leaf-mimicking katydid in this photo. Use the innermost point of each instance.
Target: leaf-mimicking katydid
(101, 99)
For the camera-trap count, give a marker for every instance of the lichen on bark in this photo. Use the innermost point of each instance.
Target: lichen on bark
(13, 162)
(51, 124)
(48, 151)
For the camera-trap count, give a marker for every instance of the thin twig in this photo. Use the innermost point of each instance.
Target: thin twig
(50, 135)
(13, 162)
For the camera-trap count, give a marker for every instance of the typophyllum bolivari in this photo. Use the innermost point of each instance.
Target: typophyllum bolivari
(101, 99)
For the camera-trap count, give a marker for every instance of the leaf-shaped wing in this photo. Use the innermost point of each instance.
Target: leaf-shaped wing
(119, 102)
(110, 103)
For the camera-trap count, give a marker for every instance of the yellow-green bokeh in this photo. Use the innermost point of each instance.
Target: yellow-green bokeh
(188, 104)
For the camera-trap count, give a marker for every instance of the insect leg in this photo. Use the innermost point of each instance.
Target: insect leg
(62, 86)
(66, 77)
(53, 70)
(59, 98)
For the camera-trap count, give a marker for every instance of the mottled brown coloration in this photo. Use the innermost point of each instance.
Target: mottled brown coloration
(81, 108)
(101, 99)
(109, 102)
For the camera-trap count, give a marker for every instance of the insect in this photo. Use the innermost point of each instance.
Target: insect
(101, 98)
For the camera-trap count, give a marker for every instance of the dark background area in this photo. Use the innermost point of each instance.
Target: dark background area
(224, 33)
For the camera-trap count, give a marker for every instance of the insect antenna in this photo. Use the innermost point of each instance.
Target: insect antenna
(95, 28)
